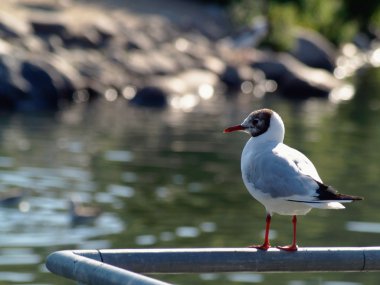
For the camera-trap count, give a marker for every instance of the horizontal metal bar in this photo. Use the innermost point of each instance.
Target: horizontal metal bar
(94, 272)
(342, 259)
(114, 266)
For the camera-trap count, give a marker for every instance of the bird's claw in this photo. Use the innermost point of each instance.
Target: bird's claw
(261, 247)
(292, 247)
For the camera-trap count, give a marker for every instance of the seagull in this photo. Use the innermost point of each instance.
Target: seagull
(281, 178)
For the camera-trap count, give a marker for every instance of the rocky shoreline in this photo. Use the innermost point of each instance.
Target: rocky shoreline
(54, 53)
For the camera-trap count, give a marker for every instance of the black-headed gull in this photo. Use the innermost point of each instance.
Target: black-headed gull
(283, 179)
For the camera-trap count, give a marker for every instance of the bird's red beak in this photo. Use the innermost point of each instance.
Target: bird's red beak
(234, 128)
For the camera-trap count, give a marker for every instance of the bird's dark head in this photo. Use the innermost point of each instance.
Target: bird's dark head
(257, 123)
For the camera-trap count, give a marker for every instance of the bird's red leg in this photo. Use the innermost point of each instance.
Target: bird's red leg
(266, 243)
(293, 246)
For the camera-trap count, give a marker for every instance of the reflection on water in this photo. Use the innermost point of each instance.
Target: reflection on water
(172, 179)
(364, 227)
(16, 277)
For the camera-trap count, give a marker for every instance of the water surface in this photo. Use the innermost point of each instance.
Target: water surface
(167, 179)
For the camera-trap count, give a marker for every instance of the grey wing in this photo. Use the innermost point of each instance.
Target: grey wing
(284, 177)
(303, 164)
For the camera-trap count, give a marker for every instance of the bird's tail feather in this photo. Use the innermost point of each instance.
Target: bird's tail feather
(324, 204)
(329, 205)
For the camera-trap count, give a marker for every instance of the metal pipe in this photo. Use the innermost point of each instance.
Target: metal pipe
(94, 272)
(114, 266)
(342, 259)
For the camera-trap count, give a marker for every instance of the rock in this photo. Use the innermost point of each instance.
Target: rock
(106, 29)
(139, 41)
(48, 24)
(137, 63)
(215, 64)
(85, 38)
(314, 50)
(234, 76)
(5, 47)
(181, 60)
(107, 51)
(112, 75)
(187, 82)
(199, 47)
(46, 6)
(294, 87)
(294, 78)
(12, 86)
(47, 86)
(150, 62)
(159, 30)
(231, 77)
(70, 77)
(150, 96)
(13, 27)
(271, 66)
(35, 84)
(33, 44)
(96, 34)
(196, 77)
(99, 77)
(162, 62)
(171, 84)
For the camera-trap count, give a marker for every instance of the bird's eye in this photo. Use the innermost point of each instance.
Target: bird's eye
(255, 121)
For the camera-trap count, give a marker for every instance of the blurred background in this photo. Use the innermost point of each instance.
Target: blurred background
(112, 115)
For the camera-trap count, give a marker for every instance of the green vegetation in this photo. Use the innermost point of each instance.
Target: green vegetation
(337, 20)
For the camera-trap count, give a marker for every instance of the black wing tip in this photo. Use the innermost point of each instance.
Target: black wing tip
(349, 197)
(325, 192)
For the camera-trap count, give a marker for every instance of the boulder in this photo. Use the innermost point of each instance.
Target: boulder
(150, 96)
(52, 82)
(314, 50)
(46, 6)
(96, 34)
(12, 86)
(45, 25)
(13, 27)
(139, 41)
(294, 78)
(34, 84)
(234, 76)
(192, 82)
(231, 77)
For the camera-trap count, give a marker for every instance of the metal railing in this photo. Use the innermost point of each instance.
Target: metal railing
(123, 266)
